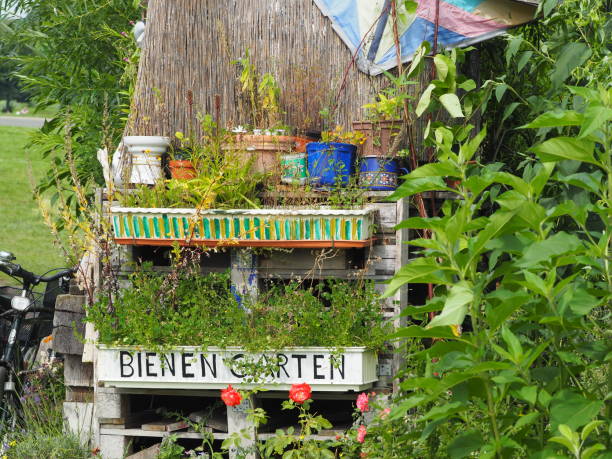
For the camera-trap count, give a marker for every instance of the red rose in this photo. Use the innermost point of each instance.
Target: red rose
(230, 396)
(299, 393)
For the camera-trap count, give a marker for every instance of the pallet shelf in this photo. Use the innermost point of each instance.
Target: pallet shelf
(251, 268)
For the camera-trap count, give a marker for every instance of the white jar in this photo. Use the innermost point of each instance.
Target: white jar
(146, 152)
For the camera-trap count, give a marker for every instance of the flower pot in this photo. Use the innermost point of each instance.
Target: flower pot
(188, 367)
(181, 169)
(301, 142)
(380, 136)
(378, 173)
(265, 149)
(330, 163)
(294, 169)
(308, 228)
(146, 154)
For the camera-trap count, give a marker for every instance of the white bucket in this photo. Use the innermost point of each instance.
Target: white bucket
(146, 152)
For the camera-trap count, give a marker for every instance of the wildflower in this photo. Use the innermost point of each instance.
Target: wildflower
(47, 339)
(124, 33)
(95, 451)
(456, 329)
(230, 396)
(362, 402)
(384, 413)
(132, 23)
(299, 393)
(361, 433)
(126, 59)
(12, 443)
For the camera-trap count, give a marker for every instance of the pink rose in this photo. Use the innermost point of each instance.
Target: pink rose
(362, 402)
(361, 433)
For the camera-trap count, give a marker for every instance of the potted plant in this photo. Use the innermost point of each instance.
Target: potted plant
(180, 162)
(146, 153)
(267, 139)
(379, 173)
(331, 162)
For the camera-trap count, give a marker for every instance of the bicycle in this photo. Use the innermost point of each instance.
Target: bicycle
(27, 316)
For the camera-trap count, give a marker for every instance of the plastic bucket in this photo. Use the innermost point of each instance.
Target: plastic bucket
(330, 164)
(294, 169)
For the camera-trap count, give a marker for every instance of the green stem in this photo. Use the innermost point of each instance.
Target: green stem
(493, 417)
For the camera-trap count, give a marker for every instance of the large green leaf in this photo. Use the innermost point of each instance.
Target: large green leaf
(558, 244)
(594, 118)
(414, 331)
(560, 148)
(571, 56)
(495, 227)
(465, 444)
(455, 307)
(451, 103)
(440, 169)
(424, 100)
(419, 271)
(418, 185)
(510, 302)
(571, 408)
(556, 119)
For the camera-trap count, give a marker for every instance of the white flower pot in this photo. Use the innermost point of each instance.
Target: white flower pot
(146, 154)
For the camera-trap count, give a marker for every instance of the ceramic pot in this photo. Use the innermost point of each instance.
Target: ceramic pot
(377, 173)
(181, 169)
(380, 136)
(266, 149)
(294, 170)
(330, 163)
(146, 154)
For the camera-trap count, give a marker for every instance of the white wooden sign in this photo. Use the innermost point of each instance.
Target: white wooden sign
(191, 368)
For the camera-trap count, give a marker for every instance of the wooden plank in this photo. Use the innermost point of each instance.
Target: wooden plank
(79, 394)
(150, 453)
(165, 425)
(386, 217)
(77, 373)
(216, 420)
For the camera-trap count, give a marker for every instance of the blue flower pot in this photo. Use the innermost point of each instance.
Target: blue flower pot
(330, 164)
(378, 173)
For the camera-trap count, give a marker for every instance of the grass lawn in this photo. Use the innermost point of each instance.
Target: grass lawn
(48, 112)
(22, 229)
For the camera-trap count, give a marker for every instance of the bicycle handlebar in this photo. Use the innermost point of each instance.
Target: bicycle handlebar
(13, 269)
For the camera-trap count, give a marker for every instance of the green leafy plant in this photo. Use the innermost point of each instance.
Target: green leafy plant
(523, 302)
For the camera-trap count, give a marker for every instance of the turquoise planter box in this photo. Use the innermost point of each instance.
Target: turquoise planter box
(316, 228)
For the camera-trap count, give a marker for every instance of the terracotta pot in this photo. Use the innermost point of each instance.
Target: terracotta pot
(301, 142)
(266, 150)
(181, 169)
(380, 136)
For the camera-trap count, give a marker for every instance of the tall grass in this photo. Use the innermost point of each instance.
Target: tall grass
(40, 431)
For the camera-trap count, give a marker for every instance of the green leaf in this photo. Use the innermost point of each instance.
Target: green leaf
(594, 118)
(528, 393)
(511, 302)
(556, 118)
(410, 6)
(451, 103)
(563, 441)
(513, 47)
(588, 452)
(443, 64)
(469, 148)
(496, 226)
(414, 331)
(571, 408)
(419, 271)
(439, 169)
(526, 420)
(500, 90)
(586, 430)
(560, 148)
(581, 302)
(588, 181)
(455, 307)
(560, 243)
(465, 444)
(443, 411)
(509, 110)
(467, 85)
(424, 100)
(570, 56)
(418, 185)
(514, 345)
(522, 61)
